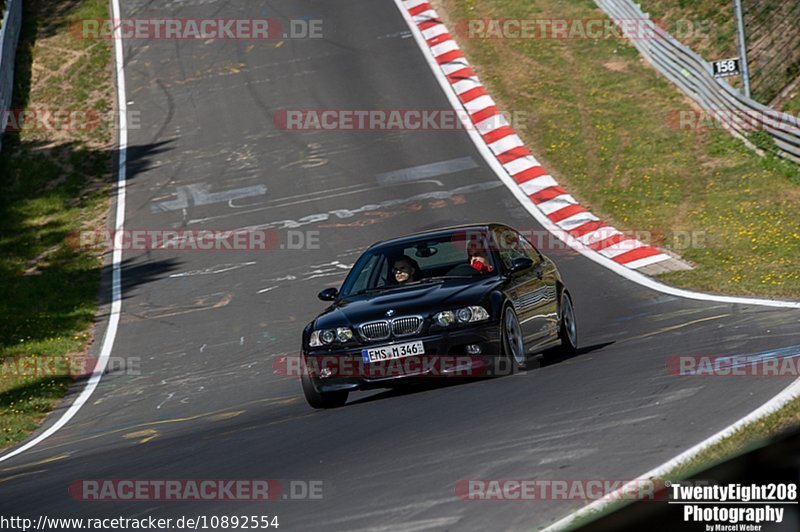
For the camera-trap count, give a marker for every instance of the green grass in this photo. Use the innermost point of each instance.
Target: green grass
(792, 105)
(706, 26)
(54, 184)
(601, 121)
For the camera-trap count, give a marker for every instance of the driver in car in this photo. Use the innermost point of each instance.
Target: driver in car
(405, 269)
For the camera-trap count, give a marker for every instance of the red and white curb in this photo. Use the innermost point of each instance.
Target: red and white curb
(549, 197)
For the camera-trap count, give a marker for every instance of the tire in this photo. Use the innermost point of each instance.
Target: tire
(567, 326)
(512, 348)
(318, 399)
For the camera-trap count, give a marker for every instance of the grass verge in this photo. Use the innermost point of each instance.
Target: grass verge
(604, 124)
(792, 105)
(55, 181)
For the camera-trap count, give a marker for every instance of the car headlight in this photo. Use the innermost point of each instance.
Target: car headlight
(344, 334)
(471, 314)
(463, 315)
(328, 336)
(445, 318)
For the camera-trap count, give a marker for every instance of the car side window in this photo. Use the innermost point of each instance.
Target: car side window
(509, 245)
(530, 250)
(374, 273)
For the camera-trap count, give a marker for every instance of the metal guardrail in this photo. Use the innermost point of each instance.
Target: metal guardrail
(694, 76)
(9, 35)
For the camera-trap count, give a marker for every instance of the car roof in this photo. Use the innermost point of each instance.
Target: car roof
(437, 233)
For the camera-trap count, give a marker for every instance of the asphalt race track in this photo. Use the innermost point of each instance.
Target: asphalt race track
(207, 327)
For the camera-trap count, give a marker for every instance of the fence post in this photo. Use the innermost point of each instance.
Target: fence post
(9, 36)
(742, 46)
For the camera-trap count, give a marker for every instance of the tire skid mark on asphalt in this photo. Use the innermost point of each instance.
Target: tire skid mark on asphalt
(403, 511)
(525, 443)
(20, 475)
(201, 303)
(413, 525)
(566, 455)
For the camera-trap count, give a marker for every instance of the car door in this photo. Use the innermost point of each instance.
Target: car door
(526, 289)
(545, 271)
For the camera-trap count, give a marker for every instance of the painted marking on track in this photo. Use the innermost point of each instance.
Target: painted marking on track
(220, 268)
(426, 171)
(146, 435)
(198, 194)
(226, 415)
(674, 327)
(267, 289)
(370, 207)
(40, 462)
(270, 401)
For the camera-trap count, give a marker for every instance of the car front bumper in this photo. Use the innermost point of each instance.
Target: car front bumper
(445, 356)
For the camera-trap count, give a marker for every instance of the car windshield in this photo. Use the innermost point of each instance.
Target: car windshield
(459, 255)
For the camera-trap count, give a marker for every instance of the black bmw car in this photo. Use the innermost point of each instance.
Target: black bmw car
(470, 300)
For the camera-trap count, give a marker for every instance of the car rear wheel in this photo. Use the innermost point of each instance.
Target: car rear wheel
(567, 327)
(317, 399)
(512, 350)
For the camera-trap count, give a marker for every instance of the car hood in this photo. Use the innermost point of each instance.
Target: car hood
(422, 299)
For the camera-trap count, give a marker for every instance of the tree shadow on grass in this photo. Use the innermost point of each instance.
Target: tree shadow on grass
(50, 282)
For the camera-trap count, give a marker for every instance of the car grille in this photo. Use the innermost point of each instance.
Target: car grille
(376, 330)
(406, 326)
(381, 330)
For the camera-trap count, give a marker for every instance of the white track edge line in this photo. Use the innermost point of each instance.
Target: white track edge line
(116, 276)
(526, 202)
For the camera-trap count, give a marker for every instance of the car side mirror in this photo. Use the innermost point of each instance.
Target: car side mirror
(521, 264)
(329, 294)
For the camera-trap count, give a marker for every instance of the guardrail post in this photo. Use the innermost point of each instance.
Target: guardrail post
(742, 46)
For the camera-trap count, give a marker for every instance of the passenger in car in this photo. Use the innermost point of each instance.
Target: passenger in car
(478, 258)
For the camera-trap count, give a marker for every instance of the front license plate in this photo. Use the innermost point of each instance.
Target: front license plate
(390, 352)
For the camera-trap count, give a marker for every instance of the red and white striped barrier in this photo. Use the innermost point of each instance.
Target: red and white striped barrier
(544, 191)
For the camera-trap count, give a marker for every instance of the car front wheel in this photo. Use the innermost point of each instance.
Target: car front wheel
(567, 326)
(317, 399)
(512, 351)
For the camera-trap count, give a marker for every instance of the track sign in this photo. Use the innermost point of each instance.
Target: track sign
(727, 67)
